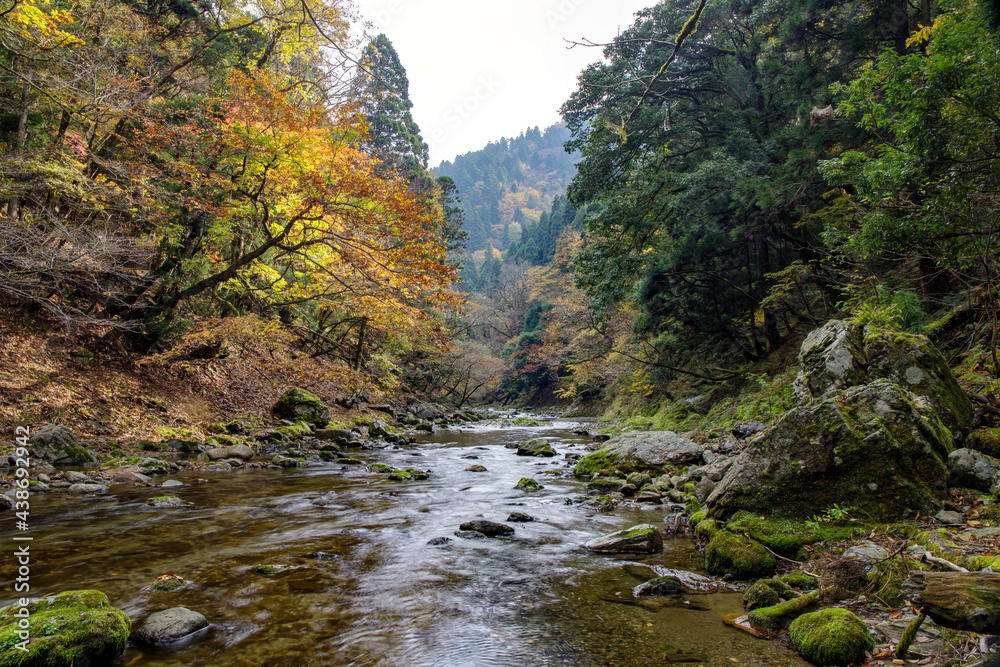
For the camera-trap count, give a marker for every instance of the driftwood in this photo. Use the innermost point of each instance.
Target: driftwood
(926, 557)
(958, 600)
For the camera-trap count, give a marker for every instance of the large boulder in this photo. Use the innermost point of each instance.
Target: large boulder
(535, 447)
(831, 637)
(872, 431)
(640, 452)
(299, 404)
(874, 448)
(57, 445)
(832, 357)
(844, 354)
(72, 628)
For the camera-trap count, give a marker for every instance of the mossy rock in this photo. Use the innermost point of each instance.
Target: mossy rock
(706, 529)
(58, 445)
(738, 555)
(167, 501)
(283, 461)
(831, 637)
(776, 618)
(299, 404)
(783, 535)
(75, 627)
(408, 475)
(268, 569)
(697, 518)
(525, 421)
(168, 583)
(604, 485)
(380, 468)
(294, 431)
(985, 441)
(528, 484)
(800, 580)
(766, 593)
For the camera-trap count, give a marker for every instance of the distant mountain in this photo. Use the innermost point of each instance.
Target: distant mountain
(509, 184)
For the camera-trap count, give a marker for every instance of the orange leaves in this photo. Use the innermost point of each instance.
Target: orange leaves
(343, 236)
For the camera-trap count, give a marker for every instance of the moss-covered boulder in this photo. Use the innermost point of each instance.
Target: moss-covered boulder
(301, 405)
(487, 528)
(986, 441)
(652, 452)
(535, 447)
(283, 461)
(729, 553)
(831, 637)
(706, 529)
(785, 536)
(774, 619)
(832, 358)
(666, 585)
(766, 593)
(58, 445)
(528, 484)
(875, 448)
(914, 363)
(642, 539)
(71, 628)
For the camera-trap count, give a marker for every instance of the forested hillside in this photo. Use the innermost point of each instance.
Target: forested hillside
(509, 184)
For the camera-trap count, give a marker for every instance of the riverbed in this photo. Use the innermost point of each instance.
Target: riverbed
(361, 584)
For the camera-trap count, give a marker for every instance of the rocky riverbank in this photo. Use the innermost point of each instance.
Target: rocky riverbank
(831, 516)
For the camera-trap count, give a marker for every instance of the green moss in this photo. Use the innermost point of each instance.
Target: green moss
(177, 433)
(604, 485)
(223, 441)
(766, 593)
(985, 440)
(379, 468)
(692, 506)
(783, 535)
(978, 563)
(526, 421)
(607, 462)
(706, 529)
(293, 431)
(800, 580)
(831, 637)
(75, 626)
(775, 618)
(267, 568)
(690, 488)
(528, 484)
(299, 404)
(738, 555)
(407, 475)
(697, 518)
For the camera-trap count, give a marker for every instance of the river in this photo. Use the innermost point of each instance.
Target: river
(363, 587)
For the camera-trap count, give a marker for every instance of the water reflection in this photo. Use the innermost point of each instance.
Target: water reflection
(361, 586)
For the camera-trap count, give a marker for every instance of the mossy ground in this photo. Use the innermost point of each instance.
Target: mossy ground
(67, 628)
(786, 536)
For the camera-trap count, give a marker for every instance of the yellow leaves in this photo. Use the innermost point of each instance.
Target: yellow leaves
(920, 35)
(42, 24)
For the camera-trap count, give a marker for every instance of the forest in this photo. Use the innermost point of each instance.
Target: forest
(259, 356)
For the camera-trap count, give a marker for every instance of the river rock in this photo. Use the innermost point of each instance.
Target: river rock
(58, 445)
(170, 625)
(668, 585)
(428, 411)
(640, 452)
(151, 466)
(87, 490)
(129, 477)
(874, 447)
(832, 358)
(971, 469)
(831, 637)
(868, 554)
(339, 435)
(642, 539)
(469, 535)
(299, 404)
(74, 627)
(535, 447)
(283, 461)
(487, 528)
(74, 477)
(241, 452)
(520, 517)
(744, 430)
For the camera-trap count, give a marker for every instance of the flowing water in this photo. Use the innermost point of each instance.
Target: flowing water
(363, 587)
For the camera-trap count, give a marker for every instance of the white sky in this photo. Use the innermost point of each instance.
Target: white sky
(484, 69)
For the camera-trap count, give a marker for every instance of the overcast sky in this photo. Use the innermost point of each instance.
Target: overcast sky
(484, 69)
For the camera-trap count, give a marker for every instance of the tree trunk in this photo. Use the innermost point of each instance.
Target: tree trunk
(361, 344)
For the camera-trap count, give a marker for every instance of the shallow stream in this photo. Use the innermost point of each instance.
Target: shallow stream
(365, 588)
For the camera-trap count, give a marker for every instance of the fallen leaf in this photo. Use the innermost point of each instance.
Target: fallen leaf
(895, 614)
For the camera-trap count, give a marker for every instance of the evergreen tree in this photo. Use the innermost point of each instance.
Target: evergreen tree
(382, 92)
